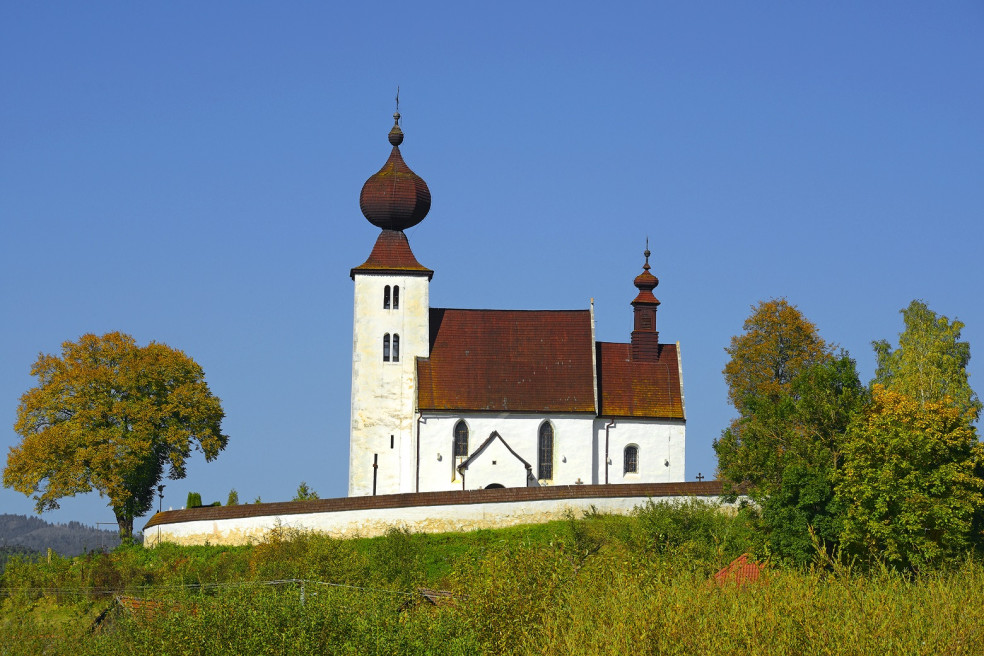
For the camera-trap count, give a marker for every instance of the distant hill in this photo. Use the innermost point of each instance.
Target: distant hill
(71, 539)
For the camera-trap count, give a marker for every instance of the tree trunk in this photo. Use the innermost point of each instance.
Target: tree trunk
(125, 523)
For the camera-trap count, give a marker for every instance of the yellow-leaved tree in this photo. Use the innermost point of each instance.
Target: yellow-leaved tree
(910, 481)
(114, 417)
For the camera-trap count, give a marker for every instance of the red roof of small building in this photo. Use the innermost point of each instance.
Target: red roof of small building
(628, 388)
(392, 254)
(740, 571)
(508, 361)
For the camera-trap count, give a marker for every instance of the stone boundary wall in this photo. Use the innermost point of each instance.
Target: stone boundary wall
(423, 512)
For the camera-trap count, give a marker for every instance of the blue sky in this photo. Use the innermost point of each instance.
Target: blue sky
(189, 173)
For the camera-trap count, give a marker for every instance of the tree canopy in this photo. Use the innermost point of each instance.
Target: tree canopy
(930, 363)
(910, 482)
(777, 369)
(114, 417)
(778, 343)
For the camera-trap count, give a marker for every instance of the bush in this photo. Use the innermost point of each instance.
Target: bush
(705, 535)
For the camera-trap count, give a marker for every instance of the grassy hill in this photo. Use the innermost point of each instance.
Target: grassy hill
(592, 585)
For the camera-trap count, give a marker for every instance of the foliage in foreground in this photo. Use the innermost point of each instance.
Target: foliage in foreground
(594, 585)
(894, 474)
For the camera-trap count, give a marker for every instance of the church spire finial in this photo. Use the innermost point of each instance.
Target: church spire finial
(647, 254)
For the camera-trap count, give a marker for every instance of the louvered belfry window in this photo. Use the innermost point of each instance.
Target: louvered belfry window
(545, 452)
(386, 297)
(386, 347)
(461, 439)
(396, 297)
(396, 348)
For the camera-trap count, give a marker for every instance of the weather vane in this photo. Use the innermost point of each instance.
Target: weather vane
(397, 98)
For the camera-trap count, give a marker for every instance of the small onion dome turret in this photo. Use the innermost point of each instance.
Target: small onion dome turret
(395, 198)
(646, 282)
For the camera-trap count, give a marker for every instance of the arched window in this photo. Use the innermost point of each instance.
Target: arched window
(396, 297)
(396, 348)
(386, 297)
(545, 452)
(386, 347)
(631, 460)
(461, 439)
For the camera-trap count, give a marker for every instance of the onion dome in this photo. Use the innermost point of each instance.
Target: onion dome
(646, 282)
(395, 198)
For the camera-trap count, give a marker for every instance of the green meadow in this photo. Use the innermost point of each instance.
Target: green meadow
(597, 584)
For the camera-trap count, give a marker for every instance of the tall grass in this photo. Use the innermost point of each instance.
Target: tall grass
(593, 585)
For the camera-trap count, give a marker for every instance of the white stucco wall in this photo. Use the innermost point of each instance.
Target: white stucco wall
(376, 521)
(494, 464)
(383, 394)
(579, 448)
(662, 450)
(574, 451)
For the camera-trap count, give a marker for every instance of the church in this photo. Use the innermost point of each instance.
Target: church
(463, 399)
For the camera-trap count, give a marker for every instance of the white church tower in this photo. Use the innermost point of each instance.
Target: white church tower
(391, 330)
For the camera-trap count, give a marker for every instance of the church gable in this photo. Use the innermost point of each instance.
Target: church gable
(508, 361)
(494, 463)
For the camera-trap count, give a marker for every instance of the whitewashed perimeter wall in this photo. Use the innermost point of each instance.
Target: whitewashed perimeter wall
(376, 521)
(383, 393)
(579, 448)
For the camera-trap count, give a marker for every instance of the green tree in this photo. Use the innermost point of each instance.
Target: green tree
(910, 481)
(777, 346)
(304, 493)
(822, 403)
(111, 416)
(233, 499)
(930, 364)
(194, 500)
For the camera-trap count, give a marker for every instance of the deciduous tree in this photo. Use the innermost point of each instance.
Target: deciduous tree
(930, 363)
(778, 345)
(910, 480)
(111, 416)
(823, 401)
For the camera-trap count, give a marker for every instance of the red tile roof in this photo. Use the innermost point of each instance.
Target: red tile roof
(508, 361)
(740, 571)
(392, 254)
(628, 388)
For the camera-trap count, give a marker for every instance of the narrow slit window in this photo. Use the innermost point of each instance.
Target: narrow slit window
(386, 297)
(396, 348)
(386, 347)
(396, 297)
(545, 452)
(461, 439)
(631, 459)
